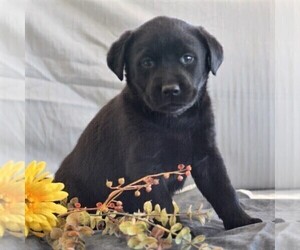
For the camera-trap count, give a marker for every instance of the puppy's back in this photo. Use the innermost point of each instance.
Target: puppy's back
(95, 157)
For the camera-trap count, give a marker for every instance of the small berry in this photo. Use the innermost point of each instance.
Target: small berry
(119, 208)
(148, 180)
(109, 184)
(121, 181)
(180, 178)
(111, 205)
(155, 181)
(77, 205)
(99, 204)
(180, 166)
(187, 173)
(188, 168)
(119, 203)
(137, 193)
(166, 175)
(148, 189)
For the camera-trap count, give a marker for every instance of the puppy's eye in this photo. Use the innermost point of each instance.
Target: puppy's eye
(187, 59)
(147, 63)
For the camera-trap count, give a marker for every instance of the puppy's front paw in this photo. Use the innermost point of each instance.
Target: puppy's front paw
(255, 220)
(239, 222)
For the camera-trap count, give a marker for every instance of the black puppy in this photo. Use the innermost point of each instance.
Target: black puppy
(163, 117)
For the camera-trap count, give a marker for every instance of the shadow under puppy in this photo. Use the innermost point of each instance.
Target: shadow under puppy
(162, 117)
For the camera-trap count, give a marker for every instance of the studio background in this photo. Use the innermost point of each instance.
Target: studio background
(255, 95)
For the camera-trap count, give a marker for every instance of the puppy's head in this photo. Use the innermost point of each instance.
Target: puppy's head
(167, 61)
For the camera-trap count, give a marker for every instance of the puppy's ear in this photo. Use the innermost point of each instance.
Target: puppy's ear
(215, 50)
(115, 56)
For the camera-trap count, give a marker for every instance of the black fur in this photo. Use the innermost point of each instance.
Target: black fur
(145, 130)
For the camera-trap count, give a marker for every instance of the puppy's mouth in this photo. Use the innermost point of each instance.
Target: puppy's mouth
(173, 108)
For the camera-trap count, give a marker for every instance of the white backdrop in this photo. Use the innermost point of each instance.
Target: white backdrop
(255, 94)
(12, 81)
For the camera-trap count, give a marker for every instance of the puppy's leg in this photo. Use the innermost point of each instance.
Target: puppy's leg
(212, 180)
(144, 159)
(158, 195)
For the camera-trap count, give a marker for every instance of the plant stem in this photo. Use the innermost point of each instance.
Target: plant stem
(119, 213)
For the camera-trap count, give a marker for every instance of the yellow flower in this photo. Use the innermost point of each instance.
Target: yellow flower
(40, 195)
(12, 198)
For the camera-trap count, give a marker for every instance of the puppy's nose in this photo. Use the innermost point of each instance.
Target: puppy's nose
(170, 90)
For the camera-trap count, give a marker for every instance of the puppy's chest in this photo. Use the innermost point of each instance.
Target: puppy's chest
(176, 148)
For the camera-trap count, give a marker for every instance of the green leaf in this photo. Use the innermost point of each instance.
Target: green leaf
(200, 207)
(157, 208)
(172, 220)
(132, 228)
(74, 200)
(141, 241)
(156, 212)
(150, 242)
(87, 231)
(190, 212)
(176, 208)
(78, 218)
(178, 239)
(164, 217)
(198, 239)
(135, 243)
(176, 227)
(56, 233)
(113, 214)
(124, 226)
(188, 237)
(148, 207)
(186, 247)
(185, 233)
(93, 222)
(201, 219)
(110, 227)
(206, 247)
(105, 231)
(169, 238)
(139, 227)
(210, 214)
